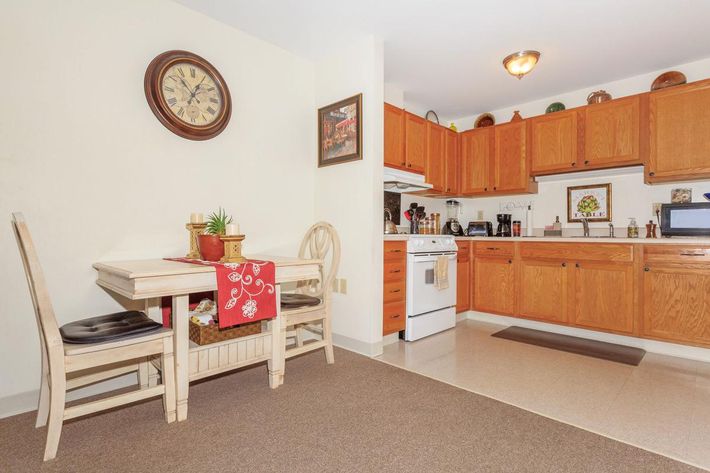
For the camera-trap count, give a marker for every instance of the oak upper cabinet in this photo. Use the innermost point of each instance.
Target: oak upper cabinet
(463, 270)
(612, 133)
(394, 137)
(511, 170)
(554, 141)
(679, 120)
(543, 287)
(452, 163)
(415, 142)
(477, 153)
(676, 293)
(435, 172)
(604, 296)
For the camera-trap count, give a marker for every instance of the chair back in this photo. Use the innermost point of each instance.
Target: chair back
(321, 242)
(50, 338)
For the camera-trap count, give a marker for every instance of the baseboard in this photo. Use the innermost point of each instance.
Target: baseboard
(27, 401)
(652, 346)
(358, 346)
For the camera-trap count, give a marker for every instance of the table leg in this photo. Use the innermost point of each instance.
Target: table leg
(276, 363)
(181, 337)
(154, 310)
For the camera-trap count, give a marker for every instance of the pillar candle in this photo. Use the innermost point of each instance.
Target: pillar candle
(232, 229)
(196, 218)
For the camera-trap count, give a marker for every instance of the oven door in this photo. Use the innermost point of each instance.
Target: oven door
(422, 295)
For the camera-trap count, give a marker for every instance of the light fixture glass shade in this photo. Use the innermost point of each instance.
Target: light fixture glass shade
(520, 63)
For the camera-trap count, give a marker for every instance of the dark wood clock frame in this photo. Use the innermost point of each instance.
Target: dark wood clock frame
(153, 83)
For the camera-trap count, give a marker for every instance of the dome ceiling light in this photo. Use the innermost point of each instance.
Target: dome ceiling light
(520, 63)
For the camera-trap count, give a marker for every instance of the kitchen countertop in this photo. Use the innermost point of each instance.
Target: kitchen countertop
(645, 241)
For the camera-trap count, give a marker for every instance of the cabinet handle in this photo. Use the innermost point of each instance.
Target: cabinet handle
(576, 265)
(395, 271)
(395, 251)
(485, 189)
(396, 316)
(564, 265)
(395, 291)
(574, 164)
(492, 248)
(510, 261)
(688, 253)
(586, 163)
(495, 188)
(647, 269)
(404, 163)
(651, 174)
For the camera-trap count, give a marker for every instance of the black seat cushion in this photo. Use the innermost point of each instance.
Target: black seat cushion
(108, 327)
(296, 301)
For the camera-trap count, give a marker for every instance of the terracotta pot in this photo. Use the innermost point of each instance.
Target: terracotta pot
(211, 247)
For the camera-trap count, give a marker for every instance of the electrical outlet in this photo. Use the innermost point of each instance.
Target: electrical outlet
(655, 208)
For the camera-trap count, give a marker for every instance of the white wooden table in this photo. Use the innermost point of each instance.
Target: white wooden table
(152, 279)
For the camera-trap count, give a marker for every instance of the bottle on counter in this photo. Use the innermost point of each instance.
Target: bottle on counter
(557, 226)
(650, 229)
(516, 228)
(632, 231)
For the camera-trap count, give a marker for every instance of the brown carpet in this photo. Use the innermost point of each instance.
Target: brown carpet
(580, 346)
(359, 415)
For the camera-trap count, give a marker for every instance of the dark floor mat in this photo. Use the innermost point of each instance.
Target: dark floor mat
(580, 346)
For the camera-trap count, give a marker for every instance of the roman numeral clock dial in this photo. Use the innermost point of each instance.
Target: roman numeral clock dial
(188, 95)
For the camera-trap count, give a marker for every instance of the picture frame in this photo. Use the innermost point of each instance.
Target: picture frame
(594, 201)
(340, 132)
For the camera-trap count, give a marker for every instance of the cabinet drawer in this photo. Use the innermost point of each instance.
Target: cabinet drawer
(395, 270)
(395, 250)
(394, 317)
(394, 291)
(494, 248)
(676, 253)
(578, 251)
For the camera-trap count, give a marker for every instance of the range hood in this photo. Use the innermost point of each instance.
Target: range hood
(403, 181)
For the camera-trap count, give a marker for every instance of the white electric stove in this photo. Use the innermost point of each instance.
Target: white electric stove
(429, 310)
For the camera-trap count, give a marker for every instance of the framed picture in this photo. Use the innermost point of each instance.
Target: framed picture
(592, 202)
(340, 132)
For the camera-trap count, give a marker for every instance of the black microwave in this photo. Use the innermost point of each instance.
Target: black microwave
(692, 219)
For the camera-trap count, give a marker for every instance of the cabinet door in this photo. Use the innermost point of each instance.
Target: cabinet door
(604, 296)
(494, 280)
(679, 138)
(394, 137)
(676, 303)
(435, 164)
(463, 290)
(451, 180)
(510, 164)
(611, 133)
(542, 290)
(476, 156)
(554, 142)
(415, 147)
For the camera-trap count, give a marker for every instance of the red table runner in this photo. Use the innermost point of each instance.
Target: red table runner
(245, 291)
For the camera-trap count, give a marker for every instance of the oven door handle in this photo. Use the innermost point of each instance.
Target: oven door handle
(431, 258)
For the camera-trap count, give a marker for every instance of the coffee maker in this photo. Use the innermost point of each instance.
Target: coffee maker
(504, 222)
(452, 225)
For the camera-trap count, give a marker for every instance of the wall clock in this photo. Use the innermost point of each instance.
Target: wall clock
(188, 95)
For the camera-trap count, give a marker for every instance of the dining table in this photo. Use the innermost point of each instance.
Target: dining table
(150, 280)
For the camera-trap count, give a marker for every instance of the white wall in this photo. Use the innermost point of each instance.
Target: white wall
(350, 195)
(630, 196)
(99, 178)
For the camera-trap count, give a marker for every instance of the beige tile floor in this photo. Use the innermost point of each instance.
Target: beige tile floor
(662, 405)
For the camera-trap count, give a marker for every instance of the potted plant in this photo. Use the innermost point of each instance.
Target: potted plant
(211, 247)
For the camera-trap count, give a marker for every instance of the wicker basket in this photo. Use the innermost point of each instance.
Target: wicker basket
(206, 334)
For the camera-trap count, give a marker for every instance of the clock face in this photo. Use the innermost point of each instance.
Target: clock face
(187, 95)
(191, 94)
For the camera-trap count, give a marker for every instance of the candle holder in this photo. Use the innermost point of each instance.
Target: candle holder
(232, 249)
(195, 229)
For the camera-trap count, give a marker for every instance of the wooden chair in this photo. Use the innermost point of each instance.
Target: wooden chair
(67, 366)
(308, 309)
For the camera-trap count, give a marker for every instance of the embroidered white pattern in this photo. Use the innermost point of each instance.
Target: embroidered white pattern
(249, 308)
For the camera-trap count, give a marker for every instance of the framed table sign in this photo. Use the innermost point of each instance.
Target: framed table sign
(592, 202)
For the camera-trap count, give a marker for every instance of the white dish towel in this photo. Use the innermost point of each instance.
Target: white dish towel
(441, 273)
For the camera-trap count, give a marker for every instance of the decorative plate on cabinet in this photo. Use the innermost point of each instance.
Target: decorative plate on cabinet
(484, 120)
(668, 79)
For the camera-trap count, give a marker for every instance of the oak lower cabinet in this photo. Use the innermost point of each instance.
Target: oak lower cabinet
(494, 284)
(676, 294)
(603, 296)
(394, 314)
(543, 287)
(463, 277)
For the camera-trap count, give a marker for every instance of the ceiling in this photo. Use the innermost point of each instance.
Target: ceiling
(446, 54)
